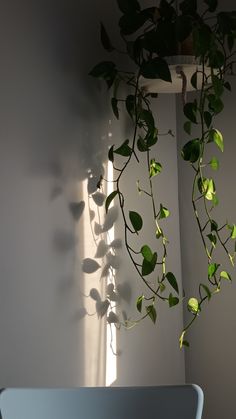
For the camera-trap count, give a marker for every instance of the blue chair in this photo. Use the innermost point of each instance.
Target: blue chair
(162, 402)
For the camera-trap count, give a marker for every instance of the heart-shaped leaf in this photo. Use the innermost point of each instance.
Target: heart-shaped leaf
(151, 311)
(136, 220)
(172, 281)
(110, 199)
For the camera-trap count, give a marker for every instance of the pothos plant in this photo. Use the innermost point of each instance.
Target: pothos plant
(150, 35)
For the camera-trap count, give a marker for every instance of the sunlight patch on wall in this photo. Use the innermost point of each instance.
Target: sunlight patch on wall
(111, 364)
(99, 264)
(94, 335)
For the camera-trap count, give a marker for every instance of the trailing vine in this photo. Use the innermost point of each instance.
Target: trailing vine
(150, 35)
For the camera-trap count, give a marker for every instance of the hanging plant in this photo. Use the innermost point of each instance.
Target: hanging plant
(152, 37)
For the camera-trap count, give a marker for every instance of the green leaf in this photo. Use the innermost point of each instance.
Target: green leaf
(212, 5)
(128, 6)
(156, 68)
(183, 27)
(163, 213)
(215, 103)
(216, 136)
(210, 190)
(207, 188)
(226, 22)
(188, 7)
(173, 301)
(207, 118)
(187, 127)
(139, 303)
(202, 38)
(214, 163)
(162, 287)
(136, 220)
(130, 105)
(191, 150)
(147, 117)
(111, 154)
(155, 168)
(151, 137)
(147, 253)
(225, 275)
(227, 85)
(124, 149)
(151, 311)
(102, 69)
(105, 39)
(114, 106)
(214, 225)
(183, 342)
(217, 85)
(216, 58)
(141, 145)
(159, 233)
(212, 268)
(233, 231)
(213, 239)
(207, 291)
(130, 22)
(110, 199)
(172, 281)
(194, 80)
(148, 267)
(215, 200)
(190, 111)
(193, 305)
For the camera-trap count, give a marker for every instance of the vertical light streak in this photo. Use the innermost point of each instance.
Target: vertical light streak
(111, 364)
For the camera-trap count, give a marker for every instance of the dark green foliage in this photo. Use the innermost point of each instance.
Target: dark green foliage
(151, 311)
(212, 5)
(156, 68)
(105, 70)
(128, 6)
(110, 199)
(132, 22)
(114, 103)
(190, 111)
(105, 40)
(147, 253)
(139, 303)
(188, 7)
(191, 150)
(172, 281)
(148, 266)
(124, 149)
(150, 35)
(136, 220)
(173, 301)
(130, 105)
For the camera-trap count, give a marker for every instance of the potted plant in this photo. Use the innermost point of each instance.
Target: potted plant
(174, 47)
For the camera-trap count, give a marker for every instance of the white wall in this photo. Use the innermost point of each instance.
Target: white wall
(210, 361)
(47, 143)
(53, 128)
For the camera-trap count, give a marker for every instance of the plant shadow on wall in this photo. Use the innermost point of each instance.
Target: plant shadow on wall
(165, 43)
(109, 296)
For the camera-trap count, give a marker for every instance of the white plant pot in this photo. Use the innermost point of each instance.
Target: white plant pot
(188, 64)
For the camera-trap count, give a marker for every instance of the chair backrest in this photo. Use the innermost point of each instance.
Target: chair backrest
(162, 402)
